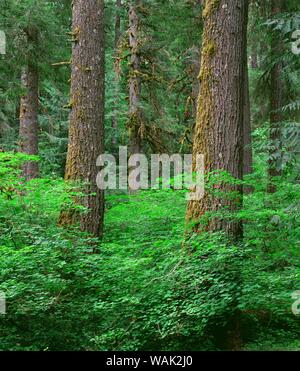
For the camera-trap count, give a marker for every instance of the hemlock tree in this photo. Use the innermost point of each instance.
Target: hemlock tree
(36, 39)
(28, 134)
(219, 126)
(86, 129)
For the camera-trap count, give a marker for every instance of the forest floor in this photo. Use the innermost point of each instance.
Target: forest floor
(143, 291)
(154, 219)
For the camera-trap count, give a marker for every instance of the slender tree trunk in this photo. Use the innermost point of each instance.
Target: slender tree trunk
(276, 102)
(193, 71)
(135, 116)
(254, 57)
(196, 86)
(29, 108)
(248, 158)
(117, 73)
(117, 23)
(86, 132)
(219, 126)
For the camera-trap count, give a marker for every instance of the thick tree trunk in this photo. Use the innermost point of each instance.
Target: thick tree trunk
(117, 73)
(219, 126)
(86, 132)
(29, 103)
(276, 102)
(135, 116)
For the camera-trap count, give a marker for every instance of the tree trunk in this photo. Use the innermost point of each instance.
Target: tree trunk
(191, 103)
(254, 57)
(248, 158)
(86, 131)
(195, 72)
(117, 74)
(135, 117)
(219, 126)
(29, 108)
(276, 102)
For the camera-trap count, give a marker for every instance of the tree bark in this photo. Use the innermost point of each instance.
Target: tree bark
(219, 125)
(276, 102)
(135, 85)
(29, 102)
(86, 131)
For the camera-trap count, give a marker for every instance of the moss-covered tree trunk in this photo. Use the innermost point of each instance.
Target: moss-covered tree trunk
(219, 125)
(86, 130)
(28, 133)
(276, 100)
(135, 117)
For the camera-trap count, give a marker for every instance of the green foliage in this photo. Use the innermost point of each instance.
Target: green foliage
(144, 290)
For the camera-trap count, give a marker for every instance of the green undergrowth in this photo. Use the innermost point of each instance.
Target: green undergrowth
(145, 290)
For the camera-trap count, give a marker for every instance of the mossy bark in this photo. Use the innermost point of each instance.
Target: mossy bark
(135, 84)
(86, 131)
(219, 125)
